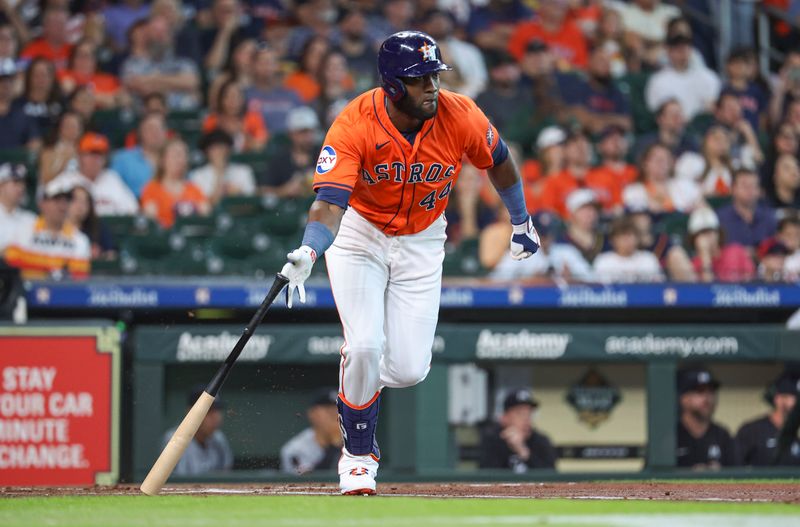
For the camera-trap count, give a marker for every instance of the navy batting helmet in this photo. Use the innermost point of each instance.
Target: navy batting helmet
(407, 54)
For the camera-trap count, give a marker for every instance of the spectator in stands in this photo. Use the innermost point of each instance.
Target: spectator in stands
(292, 170)
(395, 15)
(304, 79)
(209, 450)
(490, 26)
(469, 75)
(784, 190)
(645, 21)
(746, 220)
(82, 215)
(187, 35)
(17, 129)
(238, 68)
(772, 256)
(753, 100)
(594, 101)
(552, 26)
(671, 131)
(152, 103)
(41, 99)
(715, 260)
(613, 173)
(82, 70)
(745, 150)
(9, 40)
(111, 197)
(83, 102)
(51, 246)
(358, 48)
(578, 156)
(267, 93)
(161, 71)
(610, 36)
(672, 256)
(53, 44)
(757, 439)
(656, 189)
(694, 87)
(702, 443)
(120, 17)
(554, 259)
(582, 228)
(785, 88)
(712, 168)
(539, 76)
(60, 152)
(169, 194)
(504, 98)
(319, 446)
(789, 235)
(513, 443)
(137, 164)
(224, 34)
(784, 140)
(337, 87)
(246, 127)
(13, 218)
(626, 262)
(219, 177)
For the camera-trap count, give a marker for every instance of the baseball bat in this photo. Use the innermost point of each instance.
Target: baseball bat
(183, 435)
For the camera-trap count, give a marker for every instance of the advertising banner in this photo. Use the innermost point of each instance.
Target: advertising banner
(59, 405)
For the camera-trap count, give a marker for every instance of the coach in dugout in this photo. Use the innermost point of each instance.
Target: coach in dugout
(512, 442)
(702, 443)
(757, 440)
(209, 450)
(319, 446)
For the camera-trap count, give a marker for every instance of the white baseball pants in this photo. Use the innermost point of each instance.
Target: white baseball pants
(386, 290)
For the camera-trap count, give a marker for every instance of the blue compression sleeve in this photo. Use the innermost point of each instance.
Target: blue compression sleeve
(318, 237)
(500, 152)
(514, 200)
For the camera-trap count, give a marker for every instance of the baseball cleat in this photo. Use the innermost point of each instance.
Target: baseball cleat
(357, 475)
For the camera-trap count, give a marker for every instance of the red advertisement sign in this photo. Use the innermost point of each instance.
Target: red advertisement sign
(58, 406)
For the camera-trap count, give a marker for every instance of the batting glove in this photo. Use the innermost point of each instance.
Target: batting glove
(524, 240)
(297, 270)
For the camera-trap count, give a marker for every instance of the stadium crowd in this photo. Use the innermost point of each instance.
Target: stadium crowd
(643, 159)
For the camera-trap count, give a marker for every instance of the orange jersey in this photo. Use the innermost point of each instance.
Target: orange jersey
(608, 183)
(399, 187)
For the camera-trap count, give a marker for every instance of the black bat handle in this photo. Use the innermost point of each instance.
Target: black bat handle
(222, 373)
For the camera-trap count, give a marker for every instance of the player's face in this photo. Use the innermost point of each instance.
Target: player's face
(422, 99)
(784, 402)
(701, 401)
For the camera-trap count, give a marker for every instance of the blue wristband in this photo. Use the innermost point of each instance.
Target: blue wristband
(318, 237)
(514, 200)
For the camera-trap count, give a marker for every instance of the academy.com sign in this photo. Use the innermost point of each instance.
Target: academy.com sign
(521, 344)
(213, 348)
(681, 346)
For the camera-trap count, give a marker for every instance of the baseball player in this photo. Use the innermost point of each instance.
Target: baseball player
(383, 178)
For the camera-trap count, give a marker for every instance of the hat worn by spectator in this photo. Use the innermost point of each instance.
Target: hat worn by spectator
(787, 383)
(580, 198)
(217, 136)
(61, 185)
(693, 378)
(92, 143)
(536, 46)
(702, 219)
(302, 118)
(518, 397)
(495, 59)
(610, 130)
(550, 136)
(678, 40)
(12, 172)
(771, 247)
(325, 397)
(195, 394)
(8, 68)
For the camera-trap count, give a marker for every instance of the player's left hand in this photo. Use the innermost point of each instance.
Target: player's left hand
(297, 270)
(524, 240)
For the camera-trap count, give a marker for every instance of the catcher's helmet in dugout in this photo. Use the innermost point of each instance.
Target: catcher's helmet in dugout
(407, 54)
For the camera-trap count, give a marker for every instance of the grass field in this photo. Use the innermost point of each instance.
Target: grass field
(334, 511)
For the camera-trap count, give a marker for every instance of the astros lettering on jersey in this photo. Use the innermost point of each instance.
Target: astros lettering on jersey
(399, 187)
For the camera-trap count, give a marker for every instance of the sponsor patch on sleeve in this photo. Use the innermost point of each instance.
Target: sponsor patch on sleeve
(326, 160)
(489, 135)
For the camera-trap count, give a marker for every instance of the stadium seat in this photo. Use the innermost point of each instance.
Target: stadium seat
(463, 260)
(124, 226)
(106, 267)
(146, 254)
(195, 226)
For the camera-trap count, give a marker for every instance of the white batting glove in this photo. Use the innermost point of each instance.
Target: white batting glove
(297, 270)
(524, 240)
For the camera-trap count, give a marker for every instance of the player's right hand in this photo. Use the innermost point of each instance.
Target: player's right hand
(297, 270)
(524, 240)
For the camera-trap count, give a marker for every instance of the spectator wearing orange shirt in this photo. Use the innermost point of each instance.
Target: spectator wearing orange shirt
(613, 173)
(562, 35)
(556, 188)
(82, 71)
(550, 161)
(245, 126)
(304, 79)
(52, 45)
(169, 193)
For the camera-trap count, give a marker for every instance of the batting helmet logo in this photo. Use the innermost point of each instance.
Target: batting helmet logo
(407, 54)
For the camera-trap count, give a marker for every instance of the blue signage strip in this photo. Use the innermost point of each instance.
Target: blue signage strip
(171, 295)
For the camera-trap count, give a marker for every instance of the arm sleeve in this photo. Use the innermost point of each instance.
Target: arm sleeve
(340, 159)
(481, 138)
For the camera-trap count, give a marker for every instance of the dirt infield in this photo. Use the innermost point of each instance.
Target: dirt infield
(633, 490)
